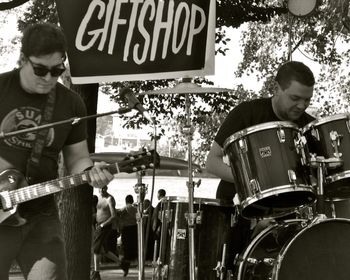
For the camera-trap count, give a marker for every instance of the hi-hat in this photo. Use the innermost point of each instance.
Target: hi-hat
(166, 163)
(186, 86)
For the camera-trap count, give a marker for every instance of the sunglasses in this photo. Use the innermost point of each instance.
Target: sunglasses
(42, 71)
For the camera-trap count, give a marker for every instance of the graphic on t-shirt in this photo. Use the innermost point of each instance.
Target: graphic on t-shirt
(23, 118)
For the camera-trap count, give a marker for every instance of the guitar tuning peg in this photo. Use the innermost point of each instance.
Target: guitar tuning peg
(143, 167)
(134, 169)
(151, 165)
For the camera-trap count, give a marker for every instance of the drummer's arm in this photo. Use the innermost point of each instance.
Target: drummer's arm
(215, 164)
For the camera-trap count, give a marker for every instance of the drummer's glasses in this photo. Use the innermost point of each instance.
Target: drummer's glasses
(42, 71)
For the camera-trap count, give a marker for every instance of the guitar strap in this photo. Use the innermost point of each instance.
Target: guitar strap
(41, 135)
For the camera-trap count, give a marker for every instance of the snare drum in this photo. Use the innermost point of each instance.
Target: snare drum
(298, 250)
(329, 137)
(214, 221)
(269, 166)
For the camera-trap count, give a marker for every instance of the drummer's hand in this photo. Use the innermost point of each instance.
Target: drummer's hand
(99, 177)
(262, 224)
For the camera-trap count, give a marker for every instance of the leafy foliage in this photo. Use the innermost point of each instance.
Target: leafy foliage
(272, 37)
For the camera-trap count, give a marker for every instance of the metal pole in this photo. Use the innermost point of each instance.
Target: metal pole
(190, 185)
(140, 190)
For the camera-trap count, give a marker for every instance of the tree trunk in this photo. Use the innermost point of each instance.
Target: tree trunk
(75, 204)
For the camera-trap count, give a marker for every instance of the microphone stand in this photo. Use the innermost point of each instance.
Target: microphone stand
(73, 121)
(140, 190)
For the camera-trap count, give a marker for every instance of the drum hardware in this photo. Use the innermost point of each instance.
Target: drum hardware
(155, 265)
(220, 267)
(300, 144)
(168, 215)
(281, 135)
(187, 87)
(315, 133)
(329, 137)
(199, 216)
(255, 187)
(335, 141)
(270, 174)
(243, 145)
(141, 190)
(292, 177)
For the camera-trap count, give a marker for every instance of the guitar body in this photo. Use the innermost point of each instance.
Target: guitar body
(11, 179)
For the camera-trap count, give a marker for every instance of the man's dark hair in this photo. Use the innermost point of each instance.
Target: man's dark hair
(43, 39)
(294, 71)
(161, 192)
(129, 199)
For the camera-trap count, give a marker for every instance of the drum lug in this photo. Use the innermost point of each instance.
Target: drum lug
(348, 124)
(255, 186)
(300, 144)
(269, 261)
(281, 135)
(164, 271)
(199, 217)
(168, 215)
(335, 138)
(243, 145)
(315, 133)
(253, 261)
(292, 177)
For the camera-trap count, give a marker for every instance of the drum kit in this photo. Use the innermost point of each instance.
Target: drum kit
(298, 177)
(300, 174)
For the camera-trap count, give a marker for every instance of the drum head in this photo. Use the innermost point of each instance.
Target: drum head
(321, 251)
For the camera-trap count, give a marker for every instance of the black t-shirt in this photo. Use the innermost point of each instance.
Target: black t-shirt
(20, 110)
(245, 115)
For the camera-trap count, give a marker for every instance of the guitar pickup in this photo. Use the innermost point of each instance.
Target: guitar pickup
(5, 200)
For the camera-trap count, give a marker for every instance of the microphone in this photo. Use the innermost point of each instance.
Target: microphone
(128, 95)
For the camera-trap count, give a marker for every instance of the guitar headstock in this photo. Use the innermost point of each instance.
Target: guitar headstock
(139, 161)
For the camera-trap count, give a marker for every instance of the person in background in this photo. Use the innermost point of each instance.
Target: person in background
(294, 84)
(105, 215)
(28, 95)
(156, 216)
(148, 211)
(127, 218)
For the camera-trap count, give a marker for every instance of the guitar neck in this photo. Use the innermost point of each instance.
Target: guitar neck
(50, 187)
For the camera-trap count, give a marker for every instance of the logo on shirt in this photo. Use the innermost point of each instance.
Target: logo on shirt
(23, 118)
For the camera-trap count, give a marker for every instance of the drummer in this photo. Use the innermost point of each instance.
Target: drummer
(291, 97)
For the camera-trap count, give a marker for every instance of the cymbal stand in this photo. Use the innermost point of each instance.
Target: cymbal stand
(190, 216)
(141, 190)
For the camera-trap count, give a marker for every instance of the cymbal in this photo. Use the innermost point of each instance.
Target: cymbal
(166, 163)
(186, 87)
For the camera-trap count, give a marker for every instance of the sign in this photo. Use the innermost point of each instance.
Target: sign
(120, 40)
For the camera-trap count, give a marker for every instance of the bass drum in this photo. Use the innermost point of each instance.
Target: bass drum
(214, 221)
(297, 250)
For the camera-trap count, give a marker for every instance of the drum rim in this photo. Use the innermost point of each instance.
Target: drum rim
(259, 127)
(275, 191)
(198, 200)
(325, 120)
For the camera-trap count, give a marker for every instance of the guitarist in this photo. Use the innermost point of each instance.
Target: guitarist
(38, 245)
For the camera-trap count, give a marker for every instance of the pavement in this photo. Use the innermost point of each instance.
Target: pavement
(107, 272)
